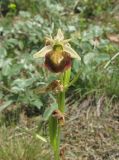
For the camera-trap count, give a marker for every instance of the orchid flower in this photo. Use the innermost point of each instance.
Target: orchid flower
(58, 53)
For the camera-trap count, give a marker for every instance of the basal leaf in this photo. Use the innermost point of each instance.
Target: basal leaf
(49, 111)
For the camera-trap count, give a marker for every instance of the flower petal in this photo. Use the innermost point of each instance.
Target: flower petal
(50, 39)
(59, 35)
(72, 53)
(65, 41)
(43, 52)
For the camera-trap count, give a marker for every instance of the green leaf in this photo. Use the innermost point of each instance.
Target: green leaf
(49, 111)
(76, 65)
(37, 103)
(41, 138)
(53, 124)
(102, 58)
(21, 84)
(15, 69)
(67, 74)
(1, 94)
(25, 14)
(21, 44)
(89, 58)
(6, 67)
(3, 52)
(13, 41)
(5, 105)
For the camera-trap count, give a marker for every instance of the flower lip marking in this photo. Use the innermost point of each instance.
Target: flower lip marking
(57, 62)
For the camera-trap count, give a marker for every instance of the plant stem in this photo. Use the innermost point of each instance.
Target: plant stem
(55, 128)
(65, 77)
(57, 149)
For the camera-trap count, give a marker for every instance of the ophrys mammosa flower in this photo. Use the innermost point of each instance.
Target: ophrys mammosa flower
(58, 53)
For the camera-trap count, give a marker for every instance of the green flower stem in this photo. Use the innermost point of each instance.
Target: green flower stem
(54, 131)
(54, 127)
(65, 77)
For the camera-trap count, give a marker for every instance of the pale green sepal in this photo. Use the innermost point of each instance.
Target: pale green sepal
(72, 53)
(43, 52)
(59, 36)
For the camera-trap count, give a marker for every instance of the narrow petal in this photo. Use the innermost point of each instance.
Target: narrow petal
(43, 52)
(72, 53)
(49, 39)
(59, 35)
(66, 41)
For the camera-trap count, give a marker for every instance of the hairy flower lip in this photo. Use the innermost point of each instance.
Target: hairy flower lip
(64, 64)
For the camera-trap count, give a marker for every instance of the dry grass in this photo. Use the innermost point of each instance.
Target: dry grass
(91, 132)
(90, 135)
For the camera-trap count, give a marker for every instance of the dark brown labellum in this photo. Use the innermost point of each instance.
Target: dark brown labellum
(58, 61)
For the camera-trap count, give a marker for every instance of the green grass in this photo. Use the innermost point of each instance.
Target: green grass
(17, 144)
